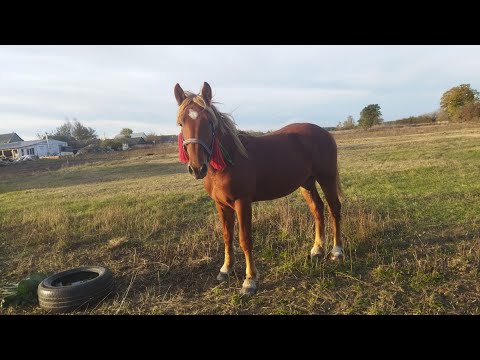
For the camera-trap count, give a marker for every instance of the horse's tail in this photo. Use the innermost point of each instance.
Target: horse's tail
(339, 185)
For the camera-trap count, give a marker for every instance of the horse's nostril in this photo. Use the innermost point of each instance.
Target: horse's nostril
(204, 169)
(190, 169)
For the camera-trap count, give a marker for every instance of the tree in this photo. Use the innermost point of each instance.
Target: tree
(82, 133)
(370, 115)
(63, 131)
(152, 138)
(114, 144)
(457, 97)
(349, 123)
(126, 132)
(74, 133)
(468, 112)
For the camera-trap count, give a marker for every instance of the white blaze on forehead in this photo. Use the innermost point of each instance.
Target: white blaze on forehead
(193, 114)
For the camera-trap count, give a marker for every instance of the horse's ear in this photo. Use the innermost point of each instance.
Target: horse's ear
(179, 94)
(207, 93)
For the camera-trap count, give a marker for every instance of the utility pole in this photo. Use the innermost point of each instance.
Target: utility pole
(48, 144)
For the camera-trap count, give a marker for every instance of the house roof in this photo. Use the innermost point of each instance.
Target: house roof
(136, 141)
(138, 135)
(7, 138)
(132, 136)
(21, 144)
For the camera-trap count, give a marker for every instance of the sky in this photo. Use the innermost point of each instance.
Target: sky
(265, 87)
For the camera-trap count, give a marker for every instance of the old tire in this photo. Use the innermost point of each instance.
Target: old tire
(75, 288)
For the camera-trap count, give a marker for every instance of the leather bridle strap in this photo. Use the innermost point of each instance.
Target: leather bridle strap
(208, 149)
(197, 141)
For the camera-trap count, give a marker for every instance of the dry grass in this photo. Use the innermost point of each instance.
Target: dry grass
(411, 220)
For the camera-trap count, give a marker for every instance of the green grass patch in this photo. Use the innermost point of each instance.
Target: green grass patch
(411, 217)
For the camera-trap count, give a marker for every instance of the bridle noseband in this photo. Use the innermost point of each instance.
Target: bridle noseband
(208, 149)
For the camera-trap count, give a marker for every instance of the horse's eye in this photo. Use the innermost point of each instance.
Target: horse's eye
(180, 125)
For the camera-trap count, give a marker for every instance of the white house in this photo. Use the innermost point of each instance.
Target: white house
(34, 147)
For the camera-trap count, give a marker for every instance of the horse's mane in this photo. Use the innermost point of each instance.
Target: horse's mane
(222, 122)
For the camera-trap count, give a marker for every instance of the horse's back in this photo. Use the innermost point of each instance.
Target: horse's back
(309, 139)
(301, 128)
(285, 159)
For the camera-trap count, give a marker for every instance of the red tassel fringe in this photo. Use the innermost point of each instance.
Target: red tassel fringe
(182, 154)
(216, 161)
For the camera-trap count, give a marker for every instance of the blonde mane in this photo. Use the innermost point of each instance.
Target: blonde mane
(222, 122)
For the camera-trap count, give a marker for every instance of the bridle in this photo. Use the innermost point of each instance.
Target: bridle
(208, 149)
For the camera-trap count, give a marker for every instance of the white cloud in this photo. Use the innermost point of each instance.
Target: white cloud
(110, 87)
(27, 126)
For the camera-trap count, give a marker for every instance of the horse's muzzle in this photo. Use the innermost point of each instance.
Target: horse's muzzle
(198, 173)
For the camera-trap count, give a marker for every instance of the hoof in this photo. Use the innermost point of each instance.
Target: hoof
(248, 291)
(222, 276)
(317, 253)
(336, 257)
(336, 254)
(249, 287)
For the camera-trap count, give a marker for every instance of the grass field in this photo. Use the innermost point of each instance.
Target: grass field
(411, 220)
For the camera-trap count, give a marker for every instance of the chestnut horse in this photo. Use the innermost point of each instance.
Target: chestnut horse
(239, 169)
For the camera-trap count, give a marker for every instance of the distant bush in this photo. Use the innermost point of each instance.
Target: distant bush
(468, 112)
(421, 119)
(114, 144)
(442, 116)
(348, 124)
(256, 132)
(152, 138)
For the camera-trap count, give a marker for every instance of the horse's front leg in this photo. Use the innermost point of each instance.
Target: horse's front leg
(243, 207)
(227, 215)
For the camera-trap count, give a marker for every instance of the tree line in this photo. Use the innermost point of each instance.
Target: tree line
(460, 103)
(78, 136)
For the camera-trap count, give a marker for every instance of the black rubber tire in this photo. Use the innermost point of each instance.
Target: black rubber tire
(58, 298)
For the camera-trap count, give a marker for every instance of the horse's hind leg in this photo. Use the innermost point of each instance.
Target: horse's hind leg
(315, 204)
(243, 207)
(330, 189)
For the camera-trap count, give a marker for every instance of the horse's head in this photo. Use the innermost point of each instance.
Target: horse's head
(198, 131)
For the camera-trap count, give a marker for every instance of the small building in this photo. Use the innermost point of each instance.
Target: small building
(38, 148)
(139, 138)
(9, 138)
(133, 140)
